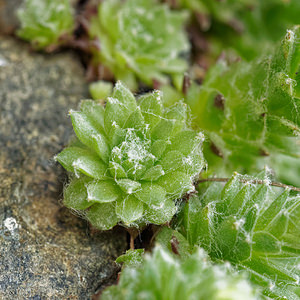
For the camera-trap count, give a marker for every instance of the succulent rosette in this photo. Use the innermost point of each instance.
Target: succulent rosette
(132, 160)
(253, 226)
(165, 276)
(140, 40)
(43, 22)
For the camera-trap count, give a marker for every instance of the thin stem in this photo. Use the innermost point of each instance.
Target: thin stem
(131, 242)
(278, 184)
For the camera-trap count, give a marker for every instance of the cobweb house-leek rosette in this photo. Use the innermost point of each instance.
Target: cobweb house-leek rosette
(166, 276)
(140, 40)
(44, 22)
(253, 226)
(132, 159)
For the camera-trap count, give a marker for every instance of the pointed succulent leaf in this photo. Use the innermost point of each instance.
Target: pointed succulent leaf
(129, 209)
(103, 191)
(164, 275)
(88, 131)
(95, 113)
(254, 226)
(131, 258)
(151, 108)
(158, 148)
(162, 213)
(103, 216)
(153, 173)
(123, 94)
(76, 159)
(151, 194)
(116, 170)
(75, 194)
(172, 161)
(176, 183)
(128, 186)
(163, 130)
(255, 118)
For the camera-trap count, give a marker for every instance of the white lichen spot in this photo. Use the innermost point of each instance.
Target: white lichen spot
(11, 224)
(3, 62)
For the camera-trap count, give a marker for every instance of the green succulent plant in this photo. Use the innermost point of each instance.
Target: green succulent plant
(245, 26)
(250, 111)
(132, 159)
(140, 40)
(43, 22)
(253, 226)
(164, 276)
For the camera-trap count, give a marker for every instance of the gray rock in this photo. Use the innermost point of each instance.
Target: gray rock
(46, 252)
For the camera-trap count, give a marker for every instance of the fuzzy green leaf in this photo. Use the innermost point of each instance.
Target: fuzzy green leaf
(75, 194)
(255, 227)
(103, 216)
(165, 276)
(76, 159)
(44, 22)
(129, 209)
(103, 191)
(250, 110)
